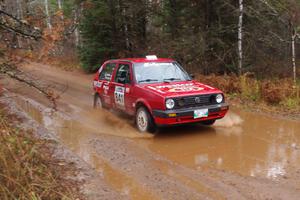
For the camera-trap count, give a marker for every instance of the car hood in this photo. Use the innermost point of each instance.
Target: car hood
(180, 88)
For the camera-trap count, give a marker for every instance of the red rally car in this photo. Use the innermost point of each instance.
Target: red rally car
(158, 92)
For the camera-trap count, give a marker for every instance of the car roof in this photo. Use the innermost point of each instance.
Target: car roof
(142, 60)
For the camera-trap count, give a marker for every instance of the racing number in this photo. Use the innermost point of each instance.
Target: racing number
(119, 96)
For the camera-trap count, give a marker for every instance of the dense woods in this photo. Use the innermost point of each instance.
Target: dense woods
(206, 36)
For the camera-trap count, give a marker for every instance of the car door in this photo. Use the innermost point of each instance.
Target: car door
(122, 86)
(104, 82)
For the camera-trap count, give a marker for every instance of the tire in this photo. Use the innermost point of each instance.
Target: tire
(144, 121)
(208, 122)
(98, 102)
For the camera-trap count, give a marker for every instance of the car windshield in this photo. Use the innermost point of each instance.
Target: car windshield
(156, 72)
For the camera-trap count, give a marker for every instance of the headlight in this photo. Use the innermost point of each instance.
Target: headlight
(219, 98)
(170, 103)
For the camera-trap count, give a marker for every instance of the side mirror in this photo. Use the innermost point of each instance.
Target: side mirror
(192, 76)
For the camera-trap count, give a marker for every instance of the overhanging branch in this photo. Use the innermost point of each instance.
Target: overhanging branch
(18, 26)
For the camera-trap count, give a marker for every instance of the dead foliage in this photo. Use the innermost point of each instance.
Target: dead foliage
(27, 170)
(228, 84)
(273, 92)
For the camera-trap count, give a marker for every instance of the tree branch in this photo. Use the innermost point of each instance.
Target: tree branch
(18, 26)
(18, 75)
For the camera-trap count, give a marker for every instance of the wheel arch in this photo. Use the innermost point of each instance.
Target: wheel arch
(142, 102)
(152, 125)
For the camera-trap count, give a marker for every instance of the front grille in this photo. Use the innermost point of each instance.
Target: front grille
(195, 101)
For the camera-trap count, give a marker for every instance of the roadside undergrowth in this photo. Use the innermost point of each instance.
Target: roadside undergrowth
(273, 95)
(27, 169)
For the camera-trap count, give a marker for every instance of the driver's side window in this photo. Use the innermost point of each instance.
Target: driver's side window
(123, 74)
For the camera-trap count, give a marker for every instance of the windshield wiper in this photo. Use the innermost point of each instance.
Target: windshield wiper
(171, 79)
(148, 80)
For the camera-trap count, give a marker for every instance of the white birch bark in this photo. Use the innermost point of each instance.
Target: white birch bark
(294, 36)
(77, 14)
(60, 4)
(20, 16)
(77, 37)
(48, 20)
(76, 31)
(240, 37)
(19, 9)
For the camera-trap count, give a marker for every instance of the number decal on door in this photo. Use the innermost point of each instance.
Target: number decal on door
(119, 96)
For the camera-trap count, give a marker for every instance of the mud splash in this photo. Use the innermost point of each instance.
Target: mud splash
(231, 120)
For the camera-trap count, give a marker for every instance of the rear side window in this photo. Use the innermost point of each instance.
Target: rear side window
(107, 72)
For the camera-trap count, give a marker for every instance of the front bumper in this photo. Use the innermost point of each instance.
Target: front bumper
(186, 115)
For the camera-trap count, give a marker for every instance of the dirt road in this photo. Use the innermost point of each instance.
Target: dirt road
(243, 156)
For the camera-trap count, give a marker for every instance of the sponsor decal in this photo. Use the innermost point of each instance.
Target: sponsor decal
(156, 89)
(105, 88)
(97, 84)
(119, 96)
(107, 76)
(190, 87)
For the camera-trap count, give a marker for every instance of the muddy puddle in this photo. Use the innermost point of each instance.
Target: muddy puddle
(123, 183)
(247, 143)
(242, 142)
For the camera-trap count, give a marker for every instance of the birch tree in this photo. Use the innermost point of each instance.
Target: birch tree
(19, 16)
(48, 20)
(294, 55)
(240, 36)
(294, 21)
(59, 4)
(77, 15)
(60, 8)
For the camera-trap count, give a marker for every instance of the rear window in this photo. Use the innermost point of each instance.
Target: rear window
(107, 72)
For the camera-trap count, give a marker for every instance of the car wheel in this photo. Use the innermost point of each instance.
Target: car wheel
(97, 102)
(208, 122)
(144, 121)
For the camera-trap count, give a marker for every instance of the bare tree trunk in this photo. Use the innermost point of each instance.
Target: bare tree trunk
(294, 35)
(125, 24)
(59, 4)
(19, 16)
(48, 21)
(77, 14)
(240, 37)
(126, 29)
(77, 37)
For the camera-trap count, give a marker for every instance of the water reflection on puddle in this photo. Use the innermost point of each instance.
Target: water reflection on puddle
(253, 145)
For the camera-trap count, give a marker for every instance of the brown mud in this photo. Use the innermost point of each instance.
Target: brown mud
(243, 156)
